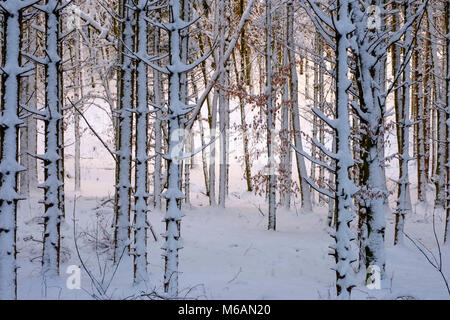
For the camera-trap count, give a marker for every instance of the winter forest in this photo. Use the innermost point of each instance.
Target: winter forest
(224, 149)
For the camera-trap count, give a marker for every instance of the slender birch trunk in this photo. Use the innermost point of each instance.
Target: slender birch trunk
(285, 133)
(78, 76)
(244, 79)
(305, 191)
(213, 116)
(223, 103)
(270, 121)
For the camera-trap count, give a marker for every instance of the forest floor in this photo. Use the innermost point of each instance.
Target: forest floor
(227, 254)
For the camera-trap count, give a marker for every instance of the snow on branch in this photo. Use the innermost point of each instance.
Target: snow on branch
(323, 191)
(398, 34)
(11, 6)
(314, 160)
(324, 149)
(333, 123)
(182, 68)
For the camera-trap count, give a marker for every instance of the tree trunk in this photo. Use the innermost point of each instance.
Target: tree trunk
(345, 188)
(223, 104)
(9, 135)
(142, 111)
(78, 76)
(447, 120)
(441, 127)
(125, 103)
(28, 134)
(53, 184)
(403, 124)
(293, 89)
(157, 90)
(285, 133)
(270, 121)
(245, 81)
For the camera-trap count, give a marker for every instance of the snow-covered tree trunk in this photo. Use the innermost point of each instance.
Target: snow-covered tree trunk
(224, 12)
(212, 150)
(396, 65)
(371, 113)
(9, 135)
(441, 127)
(77, 128)
(176, 111)
(213, 114)
(125, 104)
(345, 188)
(285, 133)
(205, 164)
(53, 184)
(184, 90)
(331, 217)
(202, 136)
(321, 103)
(244, 79)
(420, 117)
(427, 101)
(172, 194)
(28, 133)
(316, 103)
(415, 76)
(420, 145)
(382, 87)
(141, 159)
(403, 124)
(204, 159)
(189, 145)
(78, 89)
(271, 189)
(401, 103)
(447, 134)
(293, 89)
(157, 91)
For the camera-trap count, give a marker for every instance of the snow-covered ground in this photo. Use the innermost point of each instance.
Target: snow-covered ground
(227, 254)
